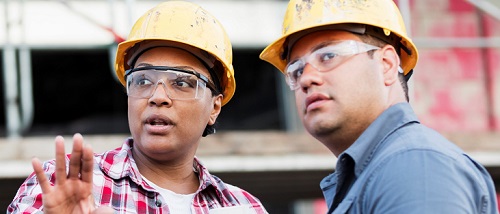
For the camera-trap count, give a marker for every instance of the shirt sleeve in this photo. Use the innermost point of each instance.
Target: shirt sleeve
(426, 181)
(29, 196)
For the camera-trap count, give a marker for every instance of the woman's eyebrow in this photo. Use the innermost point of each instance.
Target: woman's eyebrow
(143, 64)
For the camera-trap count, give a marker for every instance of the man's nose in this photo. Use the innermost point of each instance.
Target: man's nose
(310, 76)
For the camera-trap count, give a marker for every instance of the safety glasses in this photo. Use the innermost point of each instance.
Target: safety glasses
(325, 58)
(179, 84)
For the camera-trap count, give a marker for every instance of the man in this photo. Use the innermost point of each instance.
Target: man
(348, 63)
(177, 68)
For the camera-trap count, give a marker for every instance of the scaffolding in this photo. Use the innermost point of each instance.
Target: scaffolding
(17, 81)
(18, 91)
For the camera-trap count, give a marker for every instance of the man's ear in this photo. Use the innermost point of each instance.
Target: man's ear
(391, 62)
(217, 102)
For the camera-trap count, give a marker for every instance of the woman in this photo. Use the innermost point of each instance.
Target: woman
(176, 67)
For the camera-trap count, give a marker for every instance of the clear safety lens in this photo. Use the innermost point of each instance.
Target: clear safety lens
(325, 59)
(178, 84)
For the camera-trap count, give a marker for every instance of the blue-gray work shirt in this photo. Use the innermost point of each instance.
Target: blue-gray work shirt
(402, 166)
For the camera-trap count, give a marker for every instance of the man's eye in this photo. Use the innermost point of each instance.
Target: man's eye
(324, 57)
(294, 69)
(297, 73)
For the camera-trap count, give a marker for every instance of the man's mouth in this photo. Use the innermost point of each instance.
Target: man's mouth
(314, 98)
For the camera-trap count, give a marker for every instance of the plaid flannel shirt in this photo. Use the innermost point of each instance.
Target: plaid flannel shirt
(119, 185)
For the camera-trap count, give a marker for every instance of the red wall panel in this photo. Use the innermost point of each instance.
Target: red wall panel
(449, 90)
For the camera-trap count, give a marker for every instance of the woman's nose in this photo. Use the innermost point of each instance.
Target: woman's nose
(159, 95)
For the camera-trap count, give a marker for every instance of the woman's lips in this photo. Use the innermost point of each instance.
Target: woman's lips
(158, 124)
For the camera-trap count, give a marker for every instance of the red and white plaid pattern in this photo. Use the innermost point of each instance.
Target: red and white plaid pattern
(118, 184)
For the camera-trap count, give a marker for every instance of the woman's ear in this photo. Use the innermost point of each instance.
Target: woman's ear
(391, 62)
(217, 102)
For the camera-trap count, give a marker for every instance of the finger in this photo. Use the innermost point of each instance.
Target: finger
(75, 161)
(60, 161)
(40, 174)
(88, 164)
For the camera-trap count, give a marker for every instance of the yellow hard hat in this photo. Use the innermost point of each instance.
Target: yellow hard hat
(373, 15)
(184, 25)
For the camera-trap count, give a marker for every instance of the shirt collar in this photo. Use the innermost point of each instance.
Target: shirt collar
(393, 118)
(119, 163)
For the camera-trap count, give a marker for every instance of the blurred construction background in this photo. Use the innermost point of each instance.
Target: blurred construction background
(58, 79)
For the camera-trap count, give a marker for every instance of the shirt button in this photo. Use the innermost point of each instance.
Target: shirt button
(158, 203)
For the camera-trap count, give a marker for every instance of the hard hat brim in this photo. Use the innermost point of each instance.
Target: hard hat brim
(273, 53)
